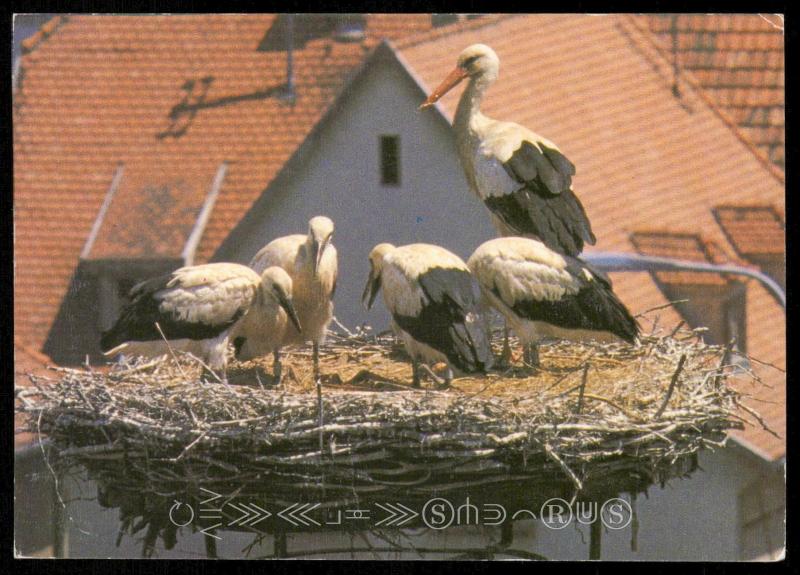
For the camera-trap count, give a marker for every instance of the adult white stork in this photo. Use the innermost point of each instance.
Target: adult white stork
(545, 294)
(522, 178)
(429, 292)
(200, 303)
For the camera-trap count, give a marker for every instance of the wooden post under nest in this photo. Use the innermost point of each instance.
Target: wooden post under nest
(595, 537)
(279, 545)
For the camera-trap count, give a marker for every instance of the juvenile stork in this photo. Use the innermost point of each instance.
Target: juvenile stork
(522, 178)
(429, 292)
(545, 294)
(201, 304)
(311, 261)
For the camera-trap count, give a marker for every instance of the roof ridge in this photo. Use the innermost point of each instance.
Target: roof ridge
(43, 33)
(689, 78)
(457, 28)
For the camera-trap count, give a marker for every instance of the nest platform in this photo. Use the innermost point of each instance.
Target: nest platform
(593, 422)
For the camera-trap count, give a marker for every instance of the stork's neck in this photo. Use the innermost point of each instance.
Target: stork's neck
(469, 106)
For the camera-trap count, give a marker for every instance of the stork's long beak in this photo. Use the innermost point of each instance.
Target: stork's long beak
(317, 250)
(450, 82)
(371, 289)
(286, 304)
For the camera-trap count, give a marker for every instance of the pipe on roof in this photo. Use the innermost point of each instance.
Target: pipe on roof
(621, 262)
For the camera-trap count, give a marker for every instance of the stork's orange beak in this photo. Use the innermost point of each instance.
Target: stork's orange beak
(450, 82)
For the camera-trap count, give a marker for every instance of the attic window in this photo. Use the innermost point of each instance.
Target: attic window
(713, 301)
(390, 160)
(758, 234)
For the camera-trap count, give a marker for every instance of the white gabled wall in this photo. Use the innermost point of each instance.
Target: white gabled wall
(340, 177)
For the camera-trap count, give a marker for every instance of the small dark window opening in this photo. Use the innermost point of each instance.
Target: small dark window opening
(390, 160)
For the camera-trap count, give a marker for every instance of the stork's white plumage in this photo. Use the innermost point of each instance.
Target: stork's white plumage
(429, 292)
(522, 178)
(311, 261)
(271, 318)
(198, 303)
(544, 294)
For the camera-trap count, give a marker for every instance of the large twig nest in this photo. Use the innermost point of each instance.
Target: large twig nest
(594, 421)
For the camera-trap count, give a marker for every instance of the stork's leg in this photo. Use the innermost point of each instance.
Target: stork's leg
(438, 380)
(415, 380)
(448, 378)
(315, 359)
(277, 368)
(505, 357)
(216, 355)
(212, 375)
(318, 382)
(531, 351)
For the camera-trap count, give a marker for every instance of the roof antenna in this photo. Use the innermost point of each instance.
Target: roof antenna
(289, 94)
(675, 66)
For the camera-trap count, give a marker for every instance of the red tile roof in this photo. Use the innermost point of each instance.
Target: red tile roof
(170, 97)
(753, 230)
(739, 61)
(644, 158)
(151, 214)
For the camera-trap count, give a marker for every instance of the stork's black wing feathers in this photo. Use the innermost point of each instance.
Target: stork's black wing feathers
(448, 321)
(544, 206)
(551, 167)
(137, 321)
(595, 306)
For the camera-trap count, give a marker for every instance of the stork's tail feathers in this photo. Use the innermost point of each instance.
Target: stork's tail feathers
(619, 320)
(471, 350)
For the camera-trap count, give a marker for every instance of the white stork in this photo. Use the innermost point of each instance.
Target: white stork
(522, 178)
(311, 261)
(545, 294)
(429, 292)
(200, 303)
(271, 319)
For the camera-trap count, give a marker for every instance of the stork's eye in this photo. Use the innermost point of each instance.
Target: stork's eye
(470, 61)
